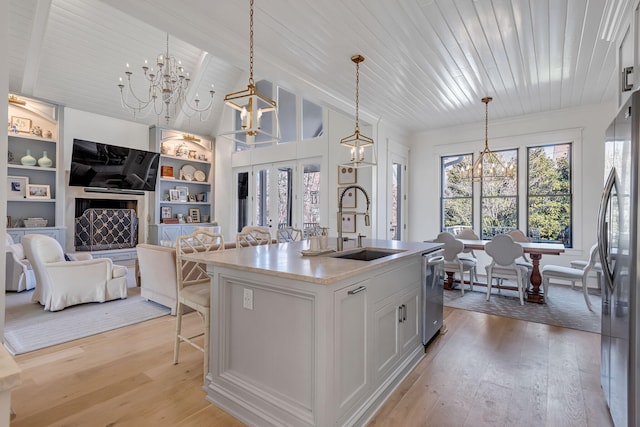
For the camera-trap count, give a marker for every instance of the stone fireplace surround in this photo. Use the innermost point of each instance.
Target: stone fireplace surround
(73, 193)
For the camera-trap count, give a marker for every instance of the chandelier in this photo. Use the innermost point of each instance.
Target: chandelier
(252, 108)
(357, 142)
(167, 91)
(488, 166)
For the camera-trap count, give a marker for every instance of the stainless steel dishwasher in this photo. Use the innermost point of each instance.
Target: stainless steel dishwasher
(432, 294)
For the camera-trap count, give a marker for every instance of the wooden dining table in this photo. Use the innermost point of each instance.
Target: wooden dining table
(535, 251)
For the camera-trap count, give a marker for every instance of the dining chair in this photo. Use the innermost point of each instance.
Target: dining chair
(289, 234)
(571, 274)
(504, 252)
(519, 236)
(582, 263)
(253, 236)
(193, 288)
(469, 234)
(452, 262)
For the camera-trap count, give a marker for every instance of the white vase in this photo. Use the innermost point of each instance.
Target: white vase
(45, 161)
(28, 159)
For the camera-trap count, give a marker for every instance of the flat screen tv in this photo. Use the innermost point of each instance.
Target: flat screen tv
(98, 165)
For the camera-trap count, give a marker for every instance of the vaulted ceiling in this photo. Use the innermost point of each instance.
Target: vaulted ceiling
(428, 62)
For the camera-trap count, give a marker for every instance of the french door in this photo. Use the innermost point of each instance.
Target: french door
(273, 194)
(397, 200)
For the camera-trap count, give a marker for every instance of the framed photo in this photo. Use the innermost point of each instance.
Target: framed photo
(17, 187)
(38, 191)
(194, 214)
(183, 193)
(21, 124)
(349, 200)
(174, 196)
(166, 212)
(347, 174)
(348, 222)
(191, 197)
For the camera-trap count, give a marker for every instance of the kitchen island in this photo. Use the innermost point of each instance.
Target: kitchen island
(312, 340)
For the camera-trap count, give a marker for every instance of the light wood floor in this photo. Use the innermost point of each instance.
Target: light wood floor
(485, 371)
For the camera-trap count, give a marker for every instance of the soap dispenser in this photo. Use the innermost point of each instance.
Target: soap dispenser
(324, 238)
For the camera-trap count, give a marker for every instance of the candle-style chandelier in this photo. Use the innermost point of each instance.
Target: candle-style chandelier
(167, 91)
(356, 141)
(488, 165)
(252, 108)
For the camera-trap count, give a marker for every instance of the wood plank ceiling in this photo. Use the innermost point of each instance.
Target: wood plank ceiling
(428, 62)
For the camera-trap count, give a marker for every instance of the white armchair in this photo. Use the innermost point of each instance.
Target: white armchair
(61, 283)
(19, 275)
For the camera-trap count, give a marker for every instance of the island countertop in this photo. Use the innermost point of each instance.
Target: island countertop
(286, 259)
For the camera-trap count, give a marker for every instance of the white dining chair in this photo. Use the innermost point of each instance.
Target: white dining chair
(504, 252)
(571, 274)
(452, 262)
(469, 234)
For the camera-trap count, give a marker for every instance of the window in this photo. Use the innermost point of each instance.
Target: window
(549, 195)
(287, 115)
(311, 198)
(499, 199)
(456, 202)
(312, 126)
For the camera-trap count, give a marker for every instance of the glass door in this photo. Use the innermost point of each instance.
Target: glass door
(397, 210)
(273, 193)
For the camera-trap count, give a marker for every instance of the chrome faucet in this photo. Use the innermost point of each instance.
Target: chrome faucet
(366, 214)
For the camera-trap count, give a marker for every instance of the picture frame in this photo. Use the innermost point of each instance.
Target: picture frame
(21, 124)
(9, 223)
(183, 193)
(189, 219)
(350, 199)
(174, 196)
(38, 191)
(347, 174)
(166, 212)
(17, 187)
(348, 222)
(191, 197)
(194, 214)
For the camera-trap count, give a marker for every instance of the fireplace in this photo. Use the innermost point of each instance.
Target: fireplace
(105, 224)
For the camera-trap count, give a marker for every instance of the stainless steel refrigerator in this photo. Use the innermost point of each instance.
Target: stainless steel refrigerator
(432, 294)
(618, 245)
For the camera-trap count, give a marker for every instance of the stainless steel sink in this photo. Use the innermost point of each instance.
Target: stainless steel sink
(366, 254)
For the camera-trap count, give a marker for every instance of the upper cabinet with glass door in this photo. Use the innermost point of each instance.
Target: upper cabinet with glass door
(32, 166)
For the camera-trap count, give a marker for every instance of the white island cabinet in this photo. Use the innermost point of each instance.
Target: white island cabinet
(311, 341)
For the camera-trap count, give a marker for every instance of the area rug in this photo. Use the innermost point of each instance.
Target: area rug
(28, 327)
(564, 306)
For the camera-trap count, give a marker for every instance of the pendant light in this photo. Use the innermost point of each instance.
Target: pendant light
(488, 166)
(358, 142)
(252, 107)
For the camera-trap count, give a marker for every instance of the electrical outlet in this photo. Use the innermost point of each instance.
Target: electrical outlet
(247, 299)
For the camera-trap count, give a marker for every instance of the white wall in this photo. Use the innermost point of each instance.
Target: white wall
(589, 122)
(94, 127)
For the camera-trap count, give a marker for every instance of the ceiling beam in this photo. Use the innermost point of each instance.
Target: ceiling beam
(34, 52)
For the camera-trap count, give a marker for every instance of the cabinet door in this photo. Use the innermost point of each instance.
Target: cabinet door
(170, 233)
(410, 335)
(386, 327)
(351, 374)
(15, 235)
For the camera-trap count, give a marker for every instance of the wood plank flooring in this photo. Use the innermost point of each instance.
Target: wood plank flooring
(485, 371)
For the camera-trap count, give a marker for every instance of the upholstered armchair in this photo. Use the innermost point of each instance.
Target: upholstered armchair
(19, 275)
(61, 283)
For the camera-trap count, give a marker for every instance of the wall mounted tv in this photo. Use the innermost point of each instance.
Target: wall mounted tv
(111, 167)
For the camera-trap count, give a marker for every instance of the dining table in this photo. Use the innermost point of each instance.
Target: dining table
(535, 250)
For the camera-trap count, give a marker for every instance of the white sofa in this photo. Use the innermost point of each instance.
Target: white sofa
(158, 277)
(19, 274)
(157, 266)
